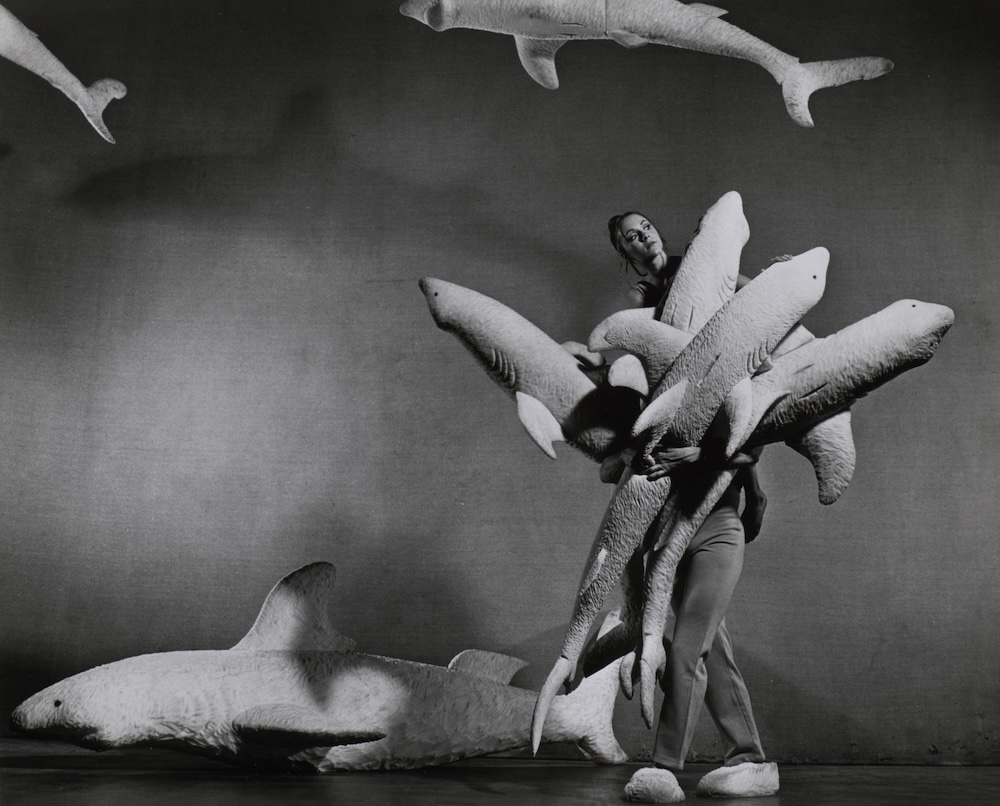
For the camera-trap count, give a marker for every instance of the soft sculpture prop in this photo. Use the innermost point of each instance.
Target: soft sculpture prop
(22, 47)
(293, 694)
(541, 27)
(717, 371)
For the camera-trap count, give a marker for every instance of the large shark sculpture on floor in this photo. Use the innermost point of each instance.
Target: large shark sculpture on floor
(776, 383)
(22, 47)
(541, 27)
(294, 694)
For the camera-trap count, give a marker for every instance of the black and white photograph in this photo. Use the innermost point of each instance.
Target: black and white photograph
(536, 402)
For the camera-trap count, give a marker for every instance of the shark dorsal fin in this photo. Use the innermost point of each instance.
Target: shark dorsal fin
(538, 57)
(705, 8)
(629, 373)
(295, 614)
(655, 419)
(491, 665)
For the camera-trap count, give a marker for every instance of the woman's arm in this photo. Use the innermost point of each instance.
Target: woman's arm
(755, 502)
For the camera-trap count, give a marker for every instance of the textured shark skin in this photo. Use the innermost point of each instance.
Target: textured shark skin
(705, 281)
(726, 351)
(291, 696)
(731, 346)
(803, 400)
(22, 47)
(541, 27)
(730, 368)
(556, 399)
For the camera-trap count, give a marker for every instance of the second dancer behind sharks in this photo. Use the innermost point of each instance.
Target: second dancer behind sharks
(541, 27)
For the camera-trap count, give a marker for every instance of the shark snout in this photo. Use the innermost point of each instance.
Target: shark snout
(436, 293)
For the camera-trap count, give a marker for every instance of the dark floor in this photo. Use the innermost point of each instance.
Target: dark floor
(42, 773)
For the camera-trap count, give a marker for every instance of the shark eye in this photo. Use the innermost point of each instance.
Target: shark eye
(57, 703)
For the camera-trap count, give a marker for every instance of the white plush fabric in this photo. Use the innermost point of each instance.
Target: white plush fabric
(653, 785)
(747, 780)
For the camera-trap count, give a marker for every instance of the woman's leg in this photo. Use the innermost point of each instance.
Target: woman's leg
(705, 582)
(728, 702)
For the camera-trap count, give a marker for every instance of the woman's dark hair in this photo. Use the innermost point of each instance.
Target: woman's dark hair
(615, 232)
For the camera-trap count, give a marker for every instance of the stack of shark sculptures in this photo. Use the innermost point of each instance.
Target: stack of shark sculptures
(541, 27)
(22, 47)
(736, 368)
(294, 695)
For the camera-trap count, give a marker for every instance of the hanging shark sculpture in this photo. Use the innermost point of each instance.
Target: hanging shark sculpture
(293, 694)
(22, 47)
(541, 27)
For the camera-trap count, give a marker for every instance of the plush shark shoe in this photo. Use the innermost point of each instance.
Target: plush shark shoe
(747, 780)
(653, 785)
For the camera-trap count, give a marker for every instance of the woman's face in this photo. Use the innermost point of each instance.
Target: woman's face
(641, 242)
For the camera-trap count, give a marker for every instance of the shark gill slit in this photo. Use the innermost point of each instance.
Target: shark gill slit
(501, 369)
(710, 367)
(815, 391)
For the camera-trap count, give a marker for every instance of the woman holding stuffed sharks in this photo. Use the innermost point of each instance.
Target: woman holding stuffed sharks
(700, 664)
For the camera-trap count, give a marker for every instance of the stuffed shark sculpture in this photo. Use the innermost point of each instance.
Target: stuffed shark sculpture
(803, 400)
(541, 27)
(557, 398)
(800, 392)
(716, 367)
(293, 694)
(22, 47)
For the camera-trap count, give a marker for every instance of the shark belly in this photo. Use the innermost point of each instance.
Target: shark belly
(553, 19)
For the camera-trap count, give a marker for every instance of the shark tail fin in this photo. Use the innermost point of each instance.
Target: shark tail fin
(803, 79)
(588, 710)
(98, 96)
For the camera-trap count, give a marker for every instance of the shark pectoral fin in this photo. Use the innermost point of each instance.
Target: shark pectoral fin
(627, 39)
(711, 11)
(538, 59)
(658, 415)
(489, 665)
(284, 725)
(628, 372)
(539, 422)
(295, 615)
(738, 409)
(829, 445)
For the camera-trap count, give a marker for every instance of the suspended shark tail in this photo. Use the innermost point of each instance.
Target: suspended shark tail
(97, 96)
(803, 79)
(588, 710)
